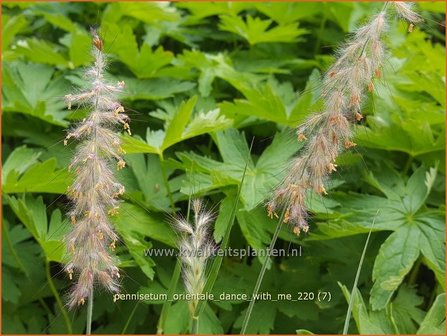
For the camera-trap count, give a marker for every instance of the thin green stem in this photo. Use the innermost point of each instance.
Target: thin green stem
(217, 262)
(195, 325)
(20, 264)
(88, 330)
(167, 304)
(165, 181)
(262, 273)
(174, 280)
(408, 164)
(13, 251)
(57, 297)
(132, 313)
(356, 280)
(414, 273)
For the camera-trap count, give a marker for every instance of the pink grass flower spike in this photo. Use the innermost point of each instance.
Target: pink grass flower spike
(95, 191)
(327, 133)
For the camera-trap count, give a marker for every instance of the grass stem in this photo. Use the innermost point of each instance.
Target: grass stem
(195, 325)
(166, 181)
(262, 273)
(356, 280)
(172, 286)
(132, 313)
(88, 330)
(58, 299)
(217, 262)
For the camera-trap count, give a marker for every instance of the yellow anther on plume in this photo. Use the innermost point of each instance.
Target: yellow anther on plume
(127, 128)
(321, 190)
(120, 109)
(113, 246)
(301, 137)
(121, 164)
(332, 167)
(348, 144)
(287, 216)
(358, 116)
(113, 212)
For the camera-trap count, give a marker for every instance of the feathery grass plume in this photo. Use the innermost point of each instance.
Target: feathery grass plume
(196, 247)
(95, 191)
(328, 132)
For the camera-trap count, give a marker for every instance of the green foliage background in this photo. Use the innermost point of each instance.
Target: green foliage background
(203, 80)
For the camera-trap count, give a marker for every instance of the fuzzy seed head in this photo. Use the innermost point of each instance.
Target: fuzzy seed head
(405, 10)
(196, 247)
(95, 191)
(328, 132)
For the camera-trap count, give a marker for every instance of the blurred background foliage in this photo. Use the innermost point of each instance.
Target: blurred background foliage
(203, 80)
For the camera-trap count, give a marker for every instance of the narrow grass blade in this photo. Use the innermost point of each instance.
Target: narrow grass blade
(217, 262)
(262, 273)
(174, 280)
(354, 286)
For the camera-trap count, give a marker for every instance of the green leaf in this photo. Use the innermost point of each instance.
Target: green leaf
(136, 145)
(258, 229)
(223, 219)
(178, 318)
(78, 42)
(135, 219)
(31, 89)
(367, 322)
(395, 259)
(11, 26)
(404, 310)
(267, 173)
(209, 323)
(434, 321)
(136, 245)
(264, 313)
(148, 174)
(286, 12)
(275, 102)
(154, 89)
(256, 30)
(233, 148)
(32, 213)
(416, 194)
(38, 177)
(10, 291)
(414, 137)
(175, 128)
(417, 229)
(19, 161)
(181, 124)
(147, 12)
(41, 51)
(144, 62)
(203, 10)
